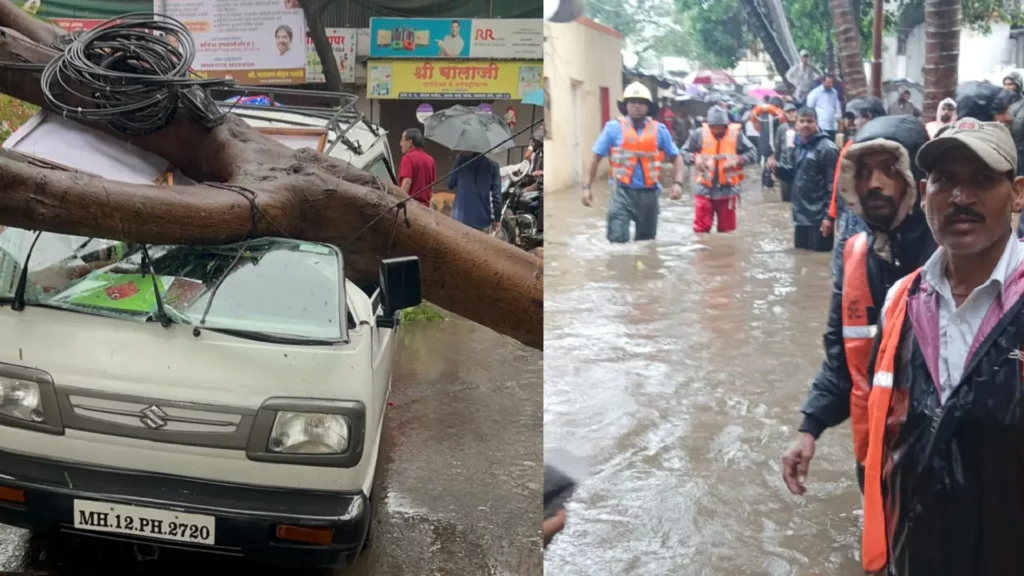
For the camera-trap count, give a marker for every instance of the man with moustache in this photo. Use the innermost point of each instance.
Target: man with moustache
(942, 487)
(879, 186)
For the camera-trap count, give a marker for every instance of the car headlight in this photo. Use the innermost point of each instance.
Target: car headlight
(309, 433)
(21, 399)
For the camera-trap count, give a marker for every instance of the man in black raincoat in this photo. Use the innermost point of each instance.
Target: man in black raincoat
(944, 474)
(809, 170)
(879, 186)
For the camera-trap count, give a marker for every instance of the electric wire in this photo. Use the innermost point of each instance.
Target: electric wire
(131, 73)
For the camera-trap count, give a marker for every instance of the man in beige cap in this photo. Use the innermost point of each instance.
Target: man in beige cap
(945, 460)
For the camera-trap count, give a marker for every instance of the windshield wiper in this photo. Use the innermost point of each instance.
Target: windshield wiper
(19, 291)
(273, 338)
(147, 263)
(213, 292)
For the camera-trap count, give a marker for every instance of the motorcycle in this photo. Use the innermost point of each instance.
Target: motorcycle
(522, 212)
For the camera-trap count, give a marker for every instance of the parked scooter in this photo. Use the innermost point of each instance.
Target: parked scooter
(522, 212)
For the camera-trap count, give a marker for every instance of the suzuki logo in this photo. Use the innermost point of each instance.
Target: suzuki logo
(485, 34)
(153, 417)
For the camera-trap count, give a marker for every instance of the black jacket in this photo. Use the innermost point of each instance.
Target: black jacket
(810, 180)
(828, 403)
(911, 244)
(951, 472)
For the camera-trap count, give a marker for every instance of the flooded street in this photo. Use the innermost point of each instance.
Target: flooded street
(458, 487)
(677, 368)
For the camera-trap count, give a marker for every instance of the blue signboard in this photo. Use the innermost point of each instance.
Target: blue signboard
(420, 38)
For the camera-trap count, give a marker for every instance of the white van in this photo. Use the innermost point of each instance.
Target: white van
(226, 399)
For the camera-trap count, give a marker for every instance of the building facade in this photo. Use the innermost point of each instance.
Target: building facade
(582, 88)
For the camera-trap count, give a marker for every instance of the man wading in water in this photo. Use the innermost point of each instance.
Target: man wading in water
(636, 147)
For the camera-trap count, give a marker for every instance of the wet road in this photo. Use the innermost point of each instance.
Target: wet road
(677, 368)
(460, 477)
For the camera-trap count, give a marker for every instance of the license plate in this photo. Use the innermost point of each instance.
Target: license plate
(148, 522)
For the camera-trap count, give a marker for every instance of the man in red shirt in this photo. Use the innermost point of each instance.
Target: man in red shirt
(417, 172)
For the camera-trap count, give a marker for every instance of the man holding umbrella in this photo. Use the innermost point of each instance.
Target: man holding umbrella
(475, 178)
(636, 145)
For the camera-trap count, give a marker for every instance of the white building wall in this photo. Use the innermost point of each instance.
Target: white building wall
(579, 59)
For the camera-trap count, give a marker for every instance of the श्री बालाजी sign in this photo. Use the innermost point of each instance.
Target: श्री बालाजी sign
(446, 79)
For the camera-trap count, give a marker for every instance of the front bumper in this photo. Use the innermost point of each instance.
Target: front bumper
(246, 517)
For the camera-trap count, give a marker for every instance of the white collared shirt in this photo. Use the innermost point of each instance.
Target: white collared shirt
(959, 326)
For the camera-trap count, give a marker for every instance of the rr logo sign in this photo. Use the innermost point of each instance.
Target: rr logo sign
(485, 34)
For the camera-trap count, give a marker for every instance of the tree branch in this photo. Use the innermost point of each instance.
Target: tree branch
(299, 193)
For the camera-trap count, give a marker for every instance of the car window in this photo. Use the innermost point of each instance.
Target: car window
(379, 168)
(268, 285)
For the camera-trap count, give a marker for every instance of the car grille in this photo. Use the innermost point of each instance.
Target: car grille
(155, 419)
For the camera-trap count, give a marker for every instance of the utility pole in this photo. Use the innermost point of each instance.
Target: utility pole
(878, 19)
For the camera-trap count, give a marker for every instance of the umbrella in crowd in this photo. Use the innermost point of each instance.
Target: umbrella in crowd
(695, 90)
(760, 92)
(710, 77)
(468, 129)
(730, 96)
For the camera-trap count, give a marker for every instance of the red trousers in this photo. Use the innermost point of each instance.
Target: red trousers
(705, 210)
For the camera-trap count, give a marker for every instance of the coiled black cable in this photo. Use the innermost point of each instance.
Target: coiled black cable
(132, 73)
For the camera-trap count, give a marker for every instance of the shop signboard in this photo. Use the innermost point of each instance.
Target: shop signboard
(485, 39)
(451, 79)
(251, 41)
(77, 24)
(343, 41)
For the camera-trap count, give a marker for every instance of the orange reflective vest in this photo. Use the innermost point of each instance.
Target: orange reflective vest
(874, 540)
(858, 336)
(835, 179)
(637, 149)
(711, 147)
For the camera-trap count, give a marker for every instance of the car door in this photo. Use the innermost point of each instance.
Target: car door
(384, 344)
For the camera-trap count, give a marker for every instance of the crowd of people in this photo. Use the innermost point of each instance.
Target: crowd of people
(924, 345)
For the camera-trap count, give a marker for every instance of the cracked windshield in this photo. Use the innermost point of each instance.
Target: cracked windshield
(272, 286)
(784, 288)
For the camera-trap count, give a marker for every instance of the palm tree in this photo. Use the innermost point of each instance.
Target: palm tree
(942, 20)
(846, 23)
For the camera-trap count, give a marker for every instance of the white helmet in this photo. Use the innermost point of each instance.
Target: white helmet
(638, 91)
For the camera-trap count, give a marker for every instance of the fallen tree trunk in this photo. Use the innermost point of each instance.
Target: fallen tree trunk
(252, 185)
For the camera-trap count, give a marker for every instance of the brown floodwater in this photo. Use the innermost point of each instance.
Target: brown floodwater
(676, 368)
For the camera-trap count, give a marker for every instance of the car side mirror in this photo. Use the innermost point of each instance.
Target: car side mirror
(400, 288)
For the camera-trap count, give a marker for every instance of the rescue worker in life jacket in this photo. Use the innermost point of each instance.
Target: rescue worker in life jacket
(719, 150)
(636, 145)
(878, 185)
(944, 474)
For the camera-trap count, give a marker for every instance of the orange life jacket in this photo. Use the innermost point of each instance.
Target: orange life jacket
(858, 336)
(835, 179)
(711, 146)
(874, 540)
(637, 149)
